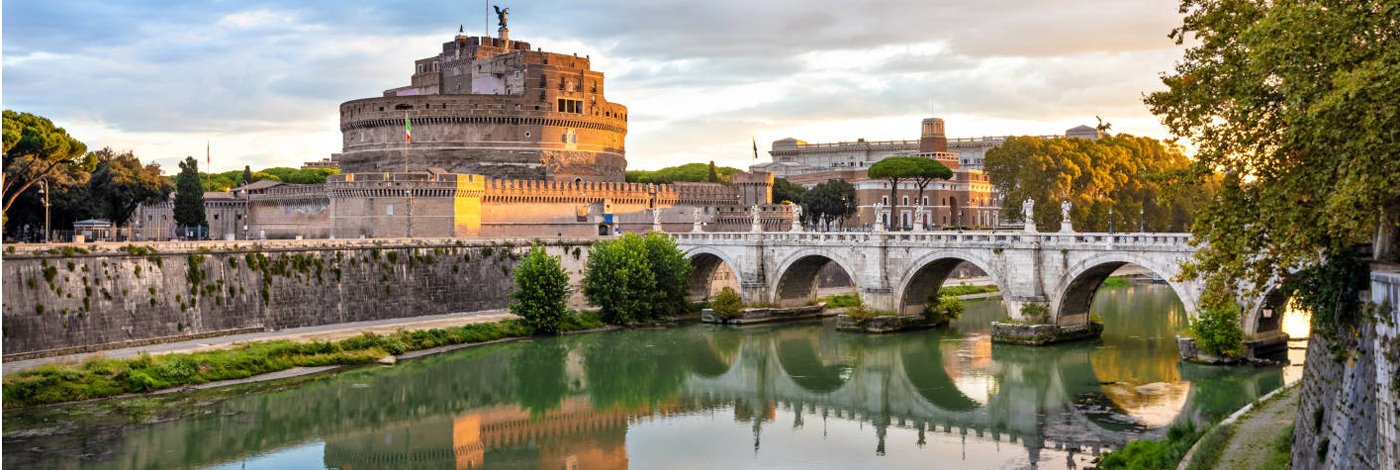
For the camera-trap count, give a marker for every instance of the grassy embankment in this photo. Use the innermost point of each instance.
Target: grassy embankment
(851, 300)
(101, 377)
(1115, 281)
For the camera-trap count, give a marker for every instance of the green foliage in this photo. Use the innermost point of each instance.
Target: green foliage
(1130, 179)
(121, 184)
(637, 279)
(828, 202)
(1331, 290)
(920, 170)
(966, 290)
(727, 304)
(1147, 454)
(1035, 313)
(35, 149)
(1114, 282)
(942, 308)
(690, 172)
(541, 291)
(785, 191)
(1282, 98)
(101, 377)
(541, 381)
(841, 301)
(1217, 330)
(860, 314)
(189, 196)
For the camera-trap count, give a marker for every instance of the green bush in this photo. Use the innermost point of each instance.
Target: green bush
(637, 279)
(942, 308)
(1217, 330)
(727, 304)
(966, 290)
(1149, 454)
(541, 291)
(1115, 282)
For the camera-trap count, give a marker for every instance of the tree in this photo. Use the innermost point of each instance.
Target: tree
(785, 191)
(672, 271)
(121, 184)
(829, 201)
(929, 170)
(896, 169)
(33, 150)
(541, 291)
(690, 172)
(1132, 179)
(189, 195)
(712, 176)
(618, 279)
(1293, 103)
(247, 176)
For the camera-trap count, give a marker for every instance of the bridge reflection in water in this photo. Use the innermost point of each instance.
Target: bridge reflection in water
(722, 394)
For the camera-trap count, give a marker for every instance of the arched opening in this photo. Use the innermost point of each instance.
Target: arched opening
(933, 275)
(805, 367)
(800, 284)
(711, 274)
(925, 364)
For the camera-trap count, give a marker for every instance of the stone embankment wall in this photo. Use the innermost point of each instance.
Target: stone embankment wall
(1349, 407)
(105, 296)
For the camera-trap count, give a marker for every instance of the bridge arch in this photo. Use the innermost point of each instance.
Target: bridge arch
(928, 273)
(796, 280)
(707, 262)
(1072, 296)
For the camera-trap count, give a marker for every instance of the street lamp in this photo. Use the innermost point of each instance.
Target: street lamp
(1142, 219)
(44, 191)
(1110, 220)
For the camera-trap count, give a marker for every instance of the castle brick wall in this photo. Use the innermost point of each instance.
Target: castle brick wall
(113, 297)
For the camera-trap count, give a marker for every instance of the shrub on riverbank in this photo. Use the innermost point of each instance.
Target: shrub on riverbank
(841, 301)
(1151, 454)
(1217, 331)
(541, 291)
(727, 304)
(102, 377)
(1115, 281)
(635, 279)
(942, 308)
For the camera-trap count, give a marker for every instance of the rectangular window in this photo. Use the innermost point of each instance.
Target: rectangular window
(885, 200)
(906, 200)
(389, 209)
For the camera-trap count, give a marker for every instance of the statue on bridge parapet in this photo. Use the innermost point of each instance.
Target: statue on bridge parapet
(879, 209)
(796, 218)
(918, 218)
(1028, 214)
(1065, 226)
(757, 224)
(695, 224)
(656, 220)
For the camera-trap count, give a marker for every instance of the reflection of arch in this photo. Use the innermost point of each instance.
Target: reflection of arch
(1082, 281)
(797, 278)
(707, 262)
(705, 361)
(924, 368)
(802, 364)
(932, 270)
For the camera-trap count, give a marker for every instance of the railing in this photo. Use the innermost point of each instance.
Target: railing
(1165, 240)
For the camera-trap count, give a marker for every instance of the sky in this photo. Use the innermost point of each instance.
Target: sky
(260, 82)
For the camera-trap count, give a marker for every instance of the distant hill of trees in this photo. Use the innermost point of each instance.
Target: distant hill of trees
(690, 172)
(232, 179)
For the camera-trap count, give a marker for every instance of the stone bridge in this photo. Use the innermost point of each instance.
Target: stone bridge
(900, 270)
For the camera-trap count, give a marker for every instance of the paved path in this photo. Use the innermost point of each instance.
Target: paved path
(324, 332)
(1251, 446)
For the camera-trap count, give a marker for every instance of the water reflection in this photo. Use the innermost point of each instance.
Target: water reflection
(705, 397)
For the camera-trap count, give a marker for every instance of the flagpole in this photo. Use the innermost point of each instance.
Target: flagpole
(407, 137)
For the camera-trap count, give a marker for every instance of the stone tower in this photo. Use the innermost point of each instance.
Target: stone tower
(931, 137)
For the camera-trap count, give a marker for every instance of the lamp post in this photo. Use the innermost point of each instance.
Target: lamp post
(1142, 219)
(44, 191)
(1110, 220)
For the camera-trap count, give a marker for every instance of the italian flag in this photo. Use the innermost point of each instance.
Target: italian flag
(407, 129)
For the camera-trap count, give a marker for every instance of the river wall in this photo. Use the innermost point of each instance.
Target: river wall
(67, 300)
(1349, 402)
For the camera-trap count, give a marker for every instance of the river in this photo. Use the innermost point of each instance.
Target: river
(696, 396)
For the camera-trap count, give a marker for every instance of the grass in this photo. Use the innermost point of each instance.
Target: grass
(1115, 282)
(1212, 446)
(102, 377)
(841, 301)
(1161, 454)
(966, 290)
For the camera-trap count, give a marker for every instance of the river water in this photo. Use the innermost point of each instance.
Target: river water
(698, 396)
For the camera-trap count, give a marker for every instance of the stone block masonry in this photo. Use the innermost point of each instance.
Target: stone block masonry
(102, 297)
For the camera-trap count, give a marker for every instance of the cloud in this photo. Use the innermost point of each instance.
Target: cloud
(700, 78)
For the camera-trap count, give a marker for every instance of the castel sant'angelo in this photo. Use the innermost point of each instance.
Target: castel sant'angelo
(495, 107)
(490, 138)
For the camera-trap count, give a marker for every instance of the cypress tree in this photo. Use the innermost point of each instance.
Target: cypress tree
(189, 196)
